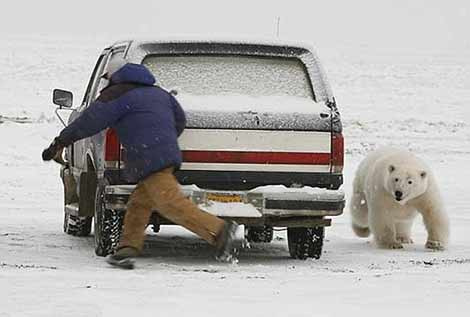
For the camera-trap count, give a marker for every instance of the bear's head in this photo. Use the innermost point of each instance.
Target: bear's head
(404, 183)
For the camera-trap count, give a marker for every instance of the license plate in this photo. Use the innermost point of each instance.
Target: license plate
(224, 198)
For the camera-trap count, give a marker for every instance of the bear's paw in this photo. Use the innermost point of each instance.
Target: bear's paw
(434, 245)
(391, 245)
(405, 240)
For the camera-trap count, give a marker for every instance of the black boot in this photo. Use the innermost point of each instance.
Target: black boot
(225, 250)
(123, 258)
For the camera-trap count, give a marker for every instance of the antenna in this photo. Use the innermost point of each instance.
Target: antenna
(278, 27)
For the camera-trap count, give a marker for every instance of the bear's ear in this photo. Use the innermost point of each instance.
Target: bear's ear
(423, 174)
(391, 168)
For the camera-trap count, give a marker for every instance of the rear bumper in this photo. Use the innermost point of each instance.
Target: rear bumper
(268, 205)
(246, 180)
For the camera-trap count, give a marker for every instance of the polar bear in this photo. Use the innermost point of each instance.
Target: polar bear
(390, 188)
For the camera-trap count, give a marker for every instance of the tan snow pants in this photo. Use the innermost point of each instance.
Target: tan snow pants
(161, 192)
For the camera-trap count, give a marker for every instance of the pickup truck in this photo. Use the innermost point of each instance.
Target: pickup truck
(263, 143)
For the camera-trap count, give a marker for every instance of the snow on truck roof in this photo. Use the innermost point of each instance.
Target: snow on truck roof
(218, 40)
(138, 49)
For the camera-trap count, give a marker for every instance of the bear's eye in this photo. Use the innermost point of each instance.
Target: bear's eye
(410, 182)
(396, 179)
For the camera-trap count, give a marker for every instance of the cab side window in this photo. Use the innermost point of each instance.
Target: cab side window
(97, 79)
(102, 82)
(99, 64)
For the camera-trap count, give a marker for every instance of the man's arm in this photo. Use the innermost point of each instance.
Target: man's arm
(98, 116)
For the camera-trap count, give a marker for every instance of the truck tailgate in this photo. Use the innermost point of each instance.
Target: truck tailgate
(256, 150)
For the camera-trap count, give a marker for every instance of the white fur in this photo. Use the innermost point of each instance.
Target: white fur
(374, 206)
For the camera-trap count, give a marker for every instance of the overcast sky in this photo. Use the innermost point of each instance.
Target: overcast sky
(387, 23)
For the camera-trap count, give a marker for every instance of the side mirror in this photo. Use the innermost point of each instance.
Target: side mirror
(62, 98)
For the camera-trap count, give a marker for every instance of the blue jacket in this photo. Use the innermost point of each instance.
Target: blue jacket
(147, 119)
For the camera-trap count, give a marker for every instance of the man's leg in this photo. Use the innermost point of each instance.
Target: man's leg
(164, 195)
(161, 191)
(136, 219)
(133, 235)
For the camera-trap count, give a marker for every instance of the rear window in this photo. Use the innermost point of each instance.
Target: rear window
(231, 75)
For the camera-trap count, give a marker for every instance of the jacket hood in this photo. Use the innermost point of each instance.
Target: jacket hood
(133, 73)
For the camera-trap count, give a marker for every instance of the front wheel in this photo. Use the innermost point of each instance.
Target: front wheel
(73, 225)
(305, 242)
(107, 225)
(77, 226)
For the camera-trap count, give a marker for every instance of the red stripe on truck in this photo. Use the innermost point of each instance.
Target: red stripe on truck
(256, 157)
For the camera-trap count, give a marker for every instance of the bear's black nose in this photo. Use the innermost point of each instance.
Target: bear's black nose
(398, 194)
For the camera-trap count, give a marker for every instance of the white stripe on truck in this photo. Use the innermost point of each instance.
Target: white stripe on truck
(256, 167)
(255, 141)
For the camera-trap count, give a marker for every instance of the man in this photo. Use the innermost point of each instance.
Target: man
(148, 121)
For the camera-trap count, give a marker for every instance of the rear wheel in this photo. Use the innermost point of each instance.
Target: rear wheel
(305, 242)
(259, 234)
(107, 225)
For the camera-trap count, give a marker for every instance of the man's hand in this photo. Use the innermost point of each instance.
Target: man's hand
(53, 149)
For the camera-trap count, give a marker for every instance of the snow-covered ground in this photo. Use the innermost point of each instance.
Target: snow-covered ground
(415, 99)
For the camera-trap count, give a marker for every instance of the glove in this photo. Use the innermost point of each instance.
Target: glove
(53, 149)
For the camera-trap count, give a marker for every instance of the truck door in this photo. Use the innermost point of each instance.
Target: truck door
(78, 149)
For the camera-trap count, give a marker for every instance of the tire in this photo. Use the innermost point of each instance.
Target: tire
(259, 234)
(107, 225)
(77, 226)
(305, 242)
(73, 225)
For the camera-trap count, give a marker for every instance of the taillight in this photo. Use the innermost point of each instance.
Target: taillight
(112, 150)
(337, 153)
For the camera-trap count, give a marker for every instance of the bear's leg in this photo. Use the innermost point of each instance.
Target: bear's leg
(382, 226)
(435, 220)
(359, 214)
(403, 230)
